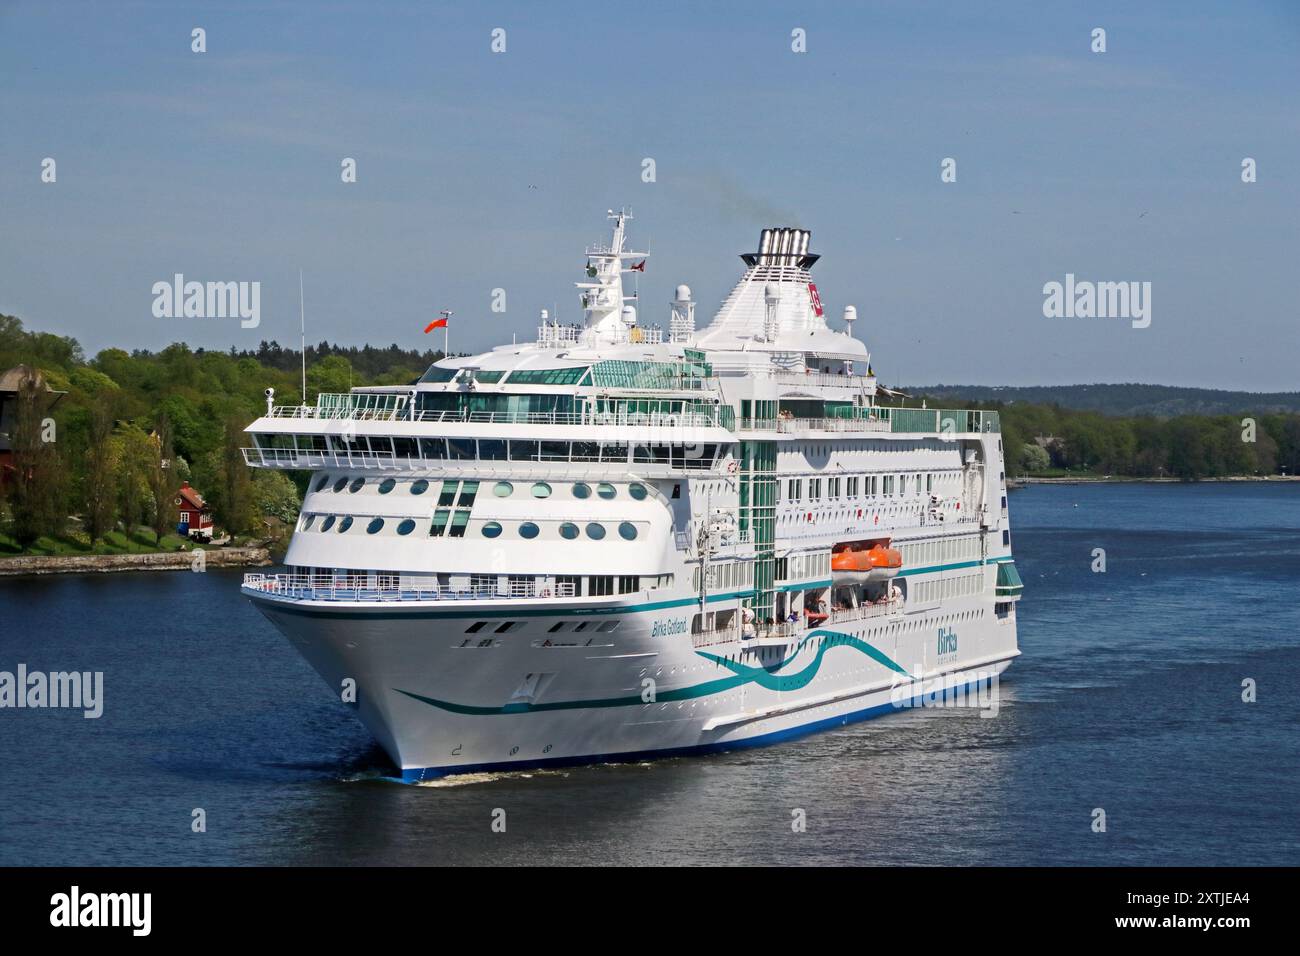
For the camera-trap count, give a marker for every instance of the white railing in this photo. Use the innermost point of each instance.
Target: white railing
(879, 609)
(718, 635)
(686, 419)
(831, 425)
(303, 587)
(809, 377)
(310, 460)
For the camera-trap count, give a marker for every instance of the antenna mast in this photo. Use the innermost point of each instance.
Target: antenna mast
(302, 319)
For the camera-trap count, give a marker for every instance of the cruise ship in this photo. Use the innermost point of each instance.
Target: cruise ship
(623, 541)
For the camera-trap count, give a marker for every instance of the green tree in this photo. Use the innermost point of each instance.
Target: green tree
(161, 476)
(38, 499)
(99, 484)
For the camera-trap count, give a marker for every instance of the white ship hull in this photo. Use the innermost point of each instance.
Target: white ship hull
(438, 707)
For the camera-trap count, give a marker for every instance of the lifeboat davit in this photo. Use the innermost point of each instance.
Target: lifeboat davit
(877, 563)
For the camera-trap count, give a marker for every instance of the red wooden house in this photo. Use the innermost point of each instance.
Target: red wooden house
(194, 516)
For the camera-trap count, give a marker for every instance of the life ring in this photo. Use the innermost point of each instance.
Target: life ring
(733, 466)
(546, 592)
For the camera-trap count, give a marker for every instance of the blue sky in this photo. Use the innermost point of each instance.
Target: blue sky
(479, 171)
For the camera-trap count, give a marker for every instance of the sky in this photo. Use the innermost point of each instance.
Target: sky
(480, 170)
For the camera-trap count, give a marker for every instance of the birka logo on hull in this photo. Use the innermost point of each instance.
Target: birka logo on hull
(208, 300)
(676, 625)
(947, 643)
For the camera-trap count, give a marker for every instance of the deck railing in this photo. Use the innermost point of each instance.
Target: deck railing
(695, 418)
(305, 587)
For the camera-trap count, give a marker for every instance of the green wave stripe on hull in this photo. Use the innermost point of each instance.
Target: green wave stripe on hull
(769, 678)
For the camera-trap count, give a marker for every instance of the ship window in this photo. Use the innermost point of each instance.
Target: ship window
(476, 627)
(387, 485)
(606, 490)
(492, 449)
(595, 531)
(468, 492)
(419, 487)
(406, 527)
(492, 530)
(434, 449)
(308, 522)
(341, 484)
(1006, 537)
(677, 490)
(627, 531)
(568, 530)
(528, 530)
(448, 495)
(345, 524)
(458, 522)
(324, 480)
(637, 491)
(555, 627)
(376, 525)
(627, 583)
(357, 485)
(439, 374)
(327, 523)
(404, 448)
(555, 451)
(614, 452)
(582, 490)
(608, 626)
(523, 451)
(439, 524)
(586, 451)
(601, 585)
(503, 628)
(461, 448)
(503, 489)
(541, 490)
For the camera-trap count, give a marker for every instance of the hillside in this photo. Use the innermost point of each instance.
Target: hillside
(1161, 401)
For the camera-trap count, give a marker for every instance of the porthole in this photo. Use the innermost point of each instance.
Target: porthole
(345, 523)
(376, 525)
(503, 489)
(627, 531)
(407, 526)
(327, 523)
(528, 530)
(340, 484)
(387, 485)
(419, 487)
(357, 485)
(308, 522)
(541, 490)
(595, 531)
(568, 530)
(581, 490)
(637, 491)
(606, 490)
(492, 530)
(324, 480)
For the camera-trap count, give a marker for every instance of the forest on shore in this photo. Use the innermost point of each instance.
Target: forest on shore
(97, 461)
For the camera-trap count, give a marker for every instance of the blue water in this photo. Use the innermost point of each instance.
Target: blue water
(1127, 698)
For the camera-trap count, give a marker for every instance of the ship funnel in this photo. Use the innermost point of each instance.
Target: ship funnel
(782, 246)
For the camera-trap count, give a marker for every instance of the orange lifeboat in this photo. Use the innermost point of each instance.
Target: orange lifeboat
(877, 563)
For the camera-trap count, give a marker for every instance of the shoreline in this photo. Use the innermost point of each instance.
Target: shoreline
(22, 565)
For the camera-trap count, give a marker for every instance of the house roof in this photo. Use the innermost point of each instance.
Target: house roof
(191, 497)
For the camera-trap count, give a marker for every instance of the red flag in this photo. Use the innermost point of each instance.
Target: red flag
(437, 324)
